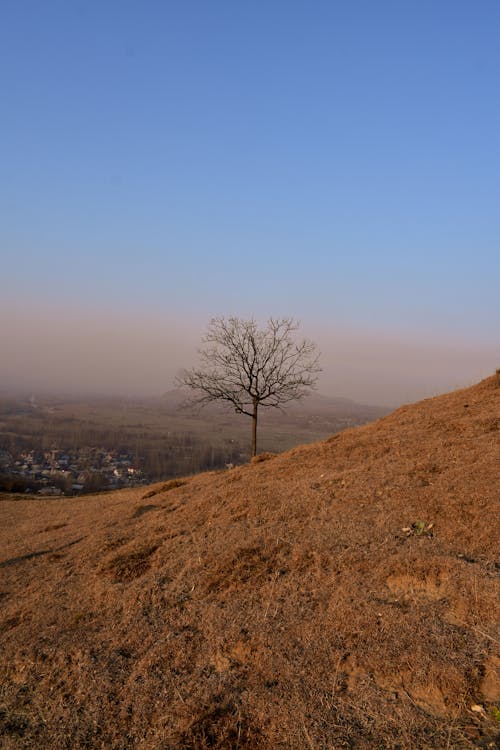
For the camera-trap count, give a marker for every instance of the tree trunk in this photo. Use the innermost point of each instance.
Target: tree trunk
(254, 429)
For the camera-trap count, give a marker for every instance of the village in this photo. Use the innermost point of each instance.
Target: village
(65, 472)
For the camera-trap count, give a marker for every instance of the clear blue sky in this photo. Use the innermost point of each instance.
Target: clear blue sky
(334, 161)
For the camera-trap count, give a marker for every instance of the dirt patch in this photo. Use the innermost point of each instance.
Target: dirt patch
(490, 685)
(432, 587)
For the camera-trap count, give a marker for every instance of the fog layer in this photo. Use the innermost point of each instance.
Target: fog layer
(100, 352)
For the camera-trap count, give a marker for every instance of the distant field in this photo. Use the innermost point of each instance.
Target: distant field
(161, 438)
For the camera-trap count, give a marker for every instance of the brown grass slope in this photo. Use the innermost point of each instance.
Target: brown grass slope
(341, 595)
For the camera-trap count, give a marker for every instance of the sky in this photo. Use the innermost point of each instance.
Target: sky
(162, 163)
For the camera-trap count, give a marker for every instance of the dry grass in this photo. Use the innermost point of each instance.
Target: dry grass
(131, 564)
(342, 595)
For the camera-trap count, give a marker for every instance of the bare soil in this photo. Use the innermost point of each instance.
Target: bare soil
(341, 595)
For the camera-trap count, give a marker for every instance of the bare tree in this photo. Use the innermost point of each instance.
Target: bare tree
(248, 367)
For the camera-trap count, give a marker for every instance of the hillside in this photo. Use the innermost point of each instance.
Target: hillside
(341, 595)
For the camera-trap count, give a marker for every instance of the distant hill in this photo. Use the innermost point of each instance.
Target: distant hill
(341, 595)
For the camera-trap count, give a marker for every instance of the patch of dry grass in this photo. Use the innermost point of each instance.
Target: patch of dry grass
(129, 565)
(164, 487)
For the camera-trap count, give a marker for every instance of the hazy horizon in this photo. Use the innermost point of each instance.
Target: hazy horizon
(166, 163)
(59, 350)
